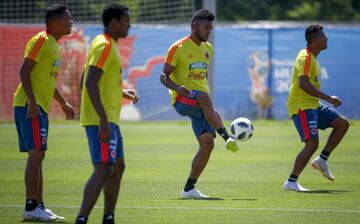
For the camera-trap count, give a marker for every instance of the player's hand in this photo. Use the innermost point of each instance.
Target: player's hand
(183, 91)
(132, 95)
(33, 110)
(104, 130)
(68, 110)
(334, 100)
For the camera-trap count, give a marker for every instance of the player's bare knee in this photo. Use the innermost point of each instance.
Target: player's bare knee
(312, 144)
(36, 154)
(207, 146)
(104, 168)
(345, 124)
(341, 123)
(120, 167)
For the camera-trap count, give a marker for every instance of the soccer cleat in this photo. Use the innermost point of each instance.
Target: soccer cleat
(51, 213)
(81, 220)
(232, 145)
(108, 220)
(194, 193)
(321, 165)
(294, 186)
(37, 214)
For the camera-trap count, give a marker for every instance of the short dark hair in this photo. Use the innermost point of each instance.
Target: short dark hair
(113, 11)
(54, 11)
(203, 14)
(312, 32)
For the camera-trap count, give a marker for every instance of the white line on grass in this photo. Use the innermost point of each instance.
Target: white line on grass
(207, 208)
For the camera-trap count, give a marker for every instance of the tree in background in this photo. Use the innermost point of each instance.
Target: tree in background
(149, 11)
(331, 10)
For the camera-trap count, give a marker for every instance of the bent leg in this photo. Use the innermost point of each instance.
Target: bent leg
(206, 145)
(304, 156)
(204, 101)
(206, 142)
(340, 126)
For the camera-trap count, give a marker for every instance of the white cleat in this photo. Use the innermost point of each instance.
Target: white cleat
(194, 193)
(294, 186)
(37, 214)
(51, 213)
(321, 165)
(232, 145)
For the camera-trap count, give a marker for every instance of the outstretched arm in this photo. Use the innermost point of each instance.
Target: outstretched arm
(311, 90)
(65, 106)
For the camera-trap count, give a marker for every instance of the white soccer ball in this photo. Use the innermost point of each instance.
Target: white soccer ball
(241, 128)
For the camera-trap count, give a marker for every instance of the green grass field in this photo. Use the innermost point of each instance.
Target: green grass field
(246, 186)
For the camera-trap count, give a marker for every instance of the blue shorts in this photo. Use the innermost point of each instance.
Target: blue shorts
(307, 122)
(186, 106)
(105, 152)
(32, 133)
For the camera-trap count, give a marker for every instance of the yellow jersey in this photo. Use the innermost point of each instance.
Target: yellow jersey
(104, 55)
(305, 64)
(44, 50)
(191, 63)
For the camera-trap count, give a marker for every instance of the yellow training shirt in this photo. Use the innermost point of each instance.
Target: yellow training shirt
(191, 65)
(44, 50)
(104, 55)
(305, 64)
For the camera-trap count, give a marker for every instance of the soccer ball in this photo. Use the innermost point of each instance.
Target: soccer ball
(241, 128)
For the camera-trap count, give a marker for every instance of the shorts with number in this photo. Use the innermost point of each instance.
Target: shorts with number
(308, 121)
(105, 152)
(186, 106)
(32, 133)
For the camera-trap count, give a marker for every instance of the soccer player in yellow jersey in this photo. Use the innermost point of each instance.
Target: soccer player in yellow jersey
(32, 102)
(100, 111)
(185, 74)
(308, 114)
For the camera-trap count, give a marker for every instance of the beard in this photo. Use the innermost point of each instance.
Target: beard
(202, 38)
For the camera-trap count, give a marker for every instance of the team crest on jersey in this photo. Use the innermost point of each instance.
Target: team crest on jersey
(207, 55)
(195, 65)
(190, 56)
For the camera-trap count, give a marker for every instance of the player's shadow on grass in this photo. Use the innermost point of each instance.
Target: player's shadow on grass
(244, 199)
(203, 199)
(326, 192)
(218, 199)
(44, 222)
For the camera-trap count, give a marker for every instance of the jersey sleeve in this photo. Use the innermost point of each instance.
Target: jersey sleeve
(100, 56)
(211, 49)
(303, 64)
(172, 56)
(36, 48)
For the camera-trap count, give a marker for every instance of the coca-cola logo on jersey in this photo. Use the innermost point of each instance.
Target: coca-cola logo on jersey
(197, 75)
